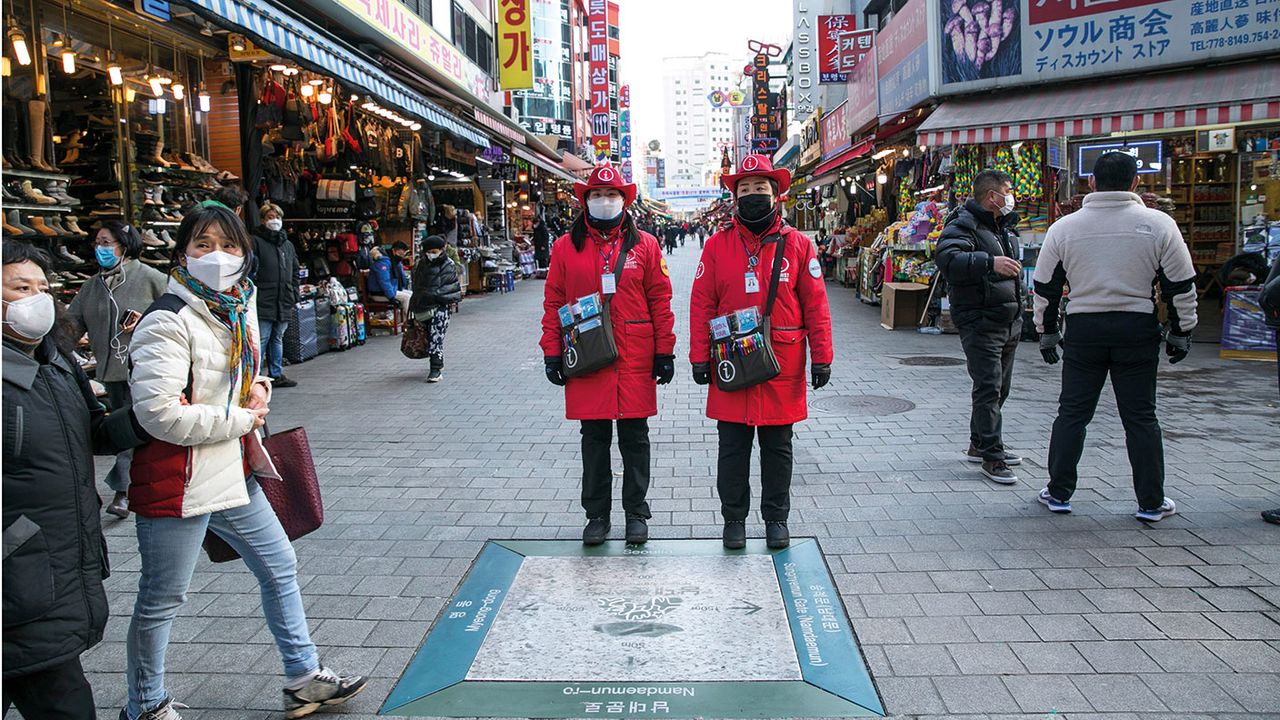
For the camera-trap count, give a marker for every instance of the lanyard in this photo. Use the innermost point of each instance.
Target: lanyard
(608, 259)
(753, 260)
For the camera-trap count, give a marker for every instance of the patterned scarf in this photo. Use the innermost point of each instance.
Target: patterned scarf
(231, 308)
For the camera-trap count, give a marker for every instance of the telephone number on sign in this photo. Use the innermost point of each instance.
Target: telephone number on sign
(1234, 40)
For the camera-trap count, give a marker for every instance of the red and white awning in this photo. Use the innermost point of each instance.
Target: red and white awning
(1216, 96)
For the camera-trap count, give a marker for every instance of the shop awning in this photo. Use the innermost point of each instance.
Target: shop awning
(280, 31)
(547, 165)
(836, 162)
(575, 165)
(1180, 99)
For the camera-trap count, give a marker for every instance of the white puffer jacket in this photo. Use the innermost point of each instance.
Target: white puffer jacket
(198, 467)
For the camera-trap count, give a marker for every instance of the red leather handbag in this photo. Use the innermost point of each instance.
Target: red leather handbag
(295, 496)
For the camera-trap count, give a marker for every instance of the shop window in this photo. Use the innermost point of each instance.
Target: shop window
(472, 40)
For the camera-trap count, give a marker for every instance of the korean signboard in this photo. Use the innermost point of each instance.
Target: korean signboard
(1149, 154)
(760, 106)
(1019, 42)
(804, 58)
(547, 126)
(840, 47)
(515, 35)
(863, 104)
(902, 57)
(598, 78)
(624, 131)
(837, 136)
(811, 139)
(393, 20)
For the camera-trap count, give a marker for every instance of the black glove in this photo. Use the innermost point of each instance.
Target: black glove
(664, 368)
(555, 368)
(1176, 346)
(1049, 343)
(820, 373)
(702, 373)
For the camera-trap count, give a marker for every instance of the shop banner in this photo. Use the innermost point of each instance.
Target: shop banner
(547, 126)
(863, 106)
(996, 43)
(393, 20)
(687, 193)
(1148, 153)
(837, 136)
(841, 46)
(804, 57)
(902, 57)
(760, 96)
(515, 37)
(624, 131)
(598, 78)
(811, 139)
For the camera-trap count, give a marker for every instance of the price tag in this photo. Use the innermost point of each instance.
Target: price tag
(753, 283)
(608, 284)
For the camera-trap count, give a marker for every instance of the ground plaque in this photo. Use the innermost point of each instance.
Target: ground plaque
(674, 628)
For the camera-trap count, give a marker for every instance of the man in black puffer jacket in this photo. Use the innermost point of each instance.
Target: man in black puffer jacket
(978, 255)
(55, 557)
(277, 280)
(435, 291)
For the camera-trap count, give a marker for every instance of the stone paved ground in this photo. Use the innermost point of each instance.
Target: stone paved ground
(969, 599)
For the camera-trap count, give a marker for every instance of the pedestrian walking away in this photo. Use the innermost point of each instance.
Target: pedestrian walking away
(1112, 252)
(55, 558)
(605, 253)
(978, 255)
(108, 308)
(728, 279)
(436, 292)
(198, 389)
(276, 278)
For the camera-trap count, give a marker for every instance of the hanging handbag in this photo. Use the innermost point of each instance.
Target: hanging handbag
(745, 357)
(590, 344)
(295, 497)
(414, 340)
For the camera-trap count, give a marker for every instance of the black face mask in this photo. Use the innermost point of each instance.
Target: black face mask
(756, 212)
(605, 226)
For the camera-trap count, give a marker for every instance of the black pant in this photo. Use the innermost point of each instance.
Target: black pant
(1133, 377)
(59, 693)
(597, 472)
(733, 478)
(989, 351)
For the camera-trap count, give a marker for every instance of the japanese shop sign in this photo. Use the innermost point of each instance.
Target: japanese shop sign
(598, 78)
(902, 57)
(841, 46)
(991, 43)
(393, 20)
(863, 104)
(837, 136)
(515, 36)
(804, 58)
(1149, 154)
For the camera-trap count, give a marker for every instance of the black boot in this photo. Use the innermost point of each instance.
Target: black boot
(776, 535)
(735, 534)
(596, 531)
(637, 531)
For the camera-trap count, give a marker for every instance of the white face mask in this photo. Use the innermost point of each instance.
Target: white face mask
(275, 224)
(1008, 205)
(434, 254)
(32, 316)
(216, 270)
(604, 208)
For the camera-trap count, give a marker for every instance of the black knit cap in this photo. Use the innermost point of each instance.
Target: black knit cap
(433, 242)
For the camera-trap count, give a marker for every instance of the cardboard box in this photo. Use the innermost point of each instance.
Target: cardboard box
(902, 304)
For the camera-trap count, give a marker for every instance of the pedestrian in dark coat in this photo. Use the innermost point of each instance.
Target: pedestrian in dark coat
(541, 244)
(55, 557)
(436, 292)
(978, 255)
(277, 281)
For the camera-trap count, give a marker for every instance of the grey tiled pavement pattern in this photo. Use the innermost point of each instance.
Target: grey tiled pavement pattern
(968, 598)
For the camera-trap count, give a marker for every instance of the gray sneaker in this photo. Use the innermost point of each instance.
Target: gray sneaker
(167, 711)
(326, 688)
(998, 471)
(975, 457)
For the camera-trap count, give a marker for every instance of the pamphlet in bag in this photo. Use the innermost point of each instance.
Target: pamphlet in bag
(587, 338)
(741, 349)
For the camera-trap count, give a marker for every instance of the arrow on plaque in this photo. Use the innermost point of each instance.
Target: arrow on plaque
(750, 607)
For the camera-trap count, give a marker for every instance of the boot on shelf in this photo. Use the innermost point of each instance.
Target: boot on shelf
(12, 152)
(34, 194)
(37, 112)
(38, 223)
(57, 227)
(10, 229)
(65, 254)
(58, 191)
(15, 220)
(72, 223)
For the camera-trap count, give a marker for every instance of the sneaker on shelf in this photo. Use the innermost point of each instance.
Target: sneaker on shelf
(168, 239)
(1054, 505)
(326, 688)
(150, 239)
(148, 196)
(998, 471)
(1166, 509)
(973, 456)
(226, 177)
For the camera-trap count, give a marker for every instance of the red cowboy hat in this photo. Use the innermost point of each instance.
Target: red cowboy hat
(758, 166)
(605, 176)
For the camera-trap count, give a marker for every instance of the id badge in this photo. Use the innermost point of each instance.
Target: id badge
(608, 284)
(753, 283)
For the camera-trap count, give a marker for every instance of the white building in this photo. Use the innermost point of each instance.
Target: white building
(695, 130)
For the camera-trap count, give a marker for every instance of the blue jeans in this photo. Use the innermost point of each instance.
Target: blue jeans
(118, 398)
(170, 547)
(272, 337)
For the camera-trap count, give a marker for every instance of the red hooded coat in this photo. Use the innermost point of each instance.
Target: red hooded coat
(643, 324)
(800, 314)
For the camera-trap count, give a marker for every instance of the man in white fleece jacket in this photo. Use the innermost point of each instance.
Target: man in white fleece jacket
(1112, 254)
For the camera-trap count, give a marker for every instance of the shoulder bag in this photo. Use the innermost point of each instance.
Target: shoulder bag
(590, 345)
(744, 359)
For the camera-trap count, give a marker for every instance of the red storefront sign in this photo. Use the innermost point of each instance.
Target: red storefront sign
(1043, 11)
(836, 133)
(598, 77)
(841, 46)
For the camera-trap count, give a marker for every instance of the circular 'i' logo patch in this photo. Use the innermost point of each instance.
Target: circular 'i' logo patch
(751, 162)
(605, 174)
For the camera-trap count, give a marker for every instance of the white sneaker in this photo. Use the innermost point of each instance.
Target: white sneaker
(326, 688)
(1166, 509)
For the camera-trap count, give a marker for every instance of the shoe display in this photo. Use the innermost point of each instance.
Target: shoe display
(35, 195)
(119, 505)
(38, 223)
(150, 239)
(1054, 505)
(1167, 508)
(326, 689)
(735, 534)
(58, 191)
(596, 531)
(973, 456)
(65, 254)
(10, 229)
(72, 223)
(168, 239)
(637, 531)
(56, 226)
(110, 211)
(15, 221)
(997, 471)
(109, 196)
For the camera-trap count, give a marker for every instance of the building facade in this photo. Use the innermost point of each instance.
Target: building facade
(696, 130)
